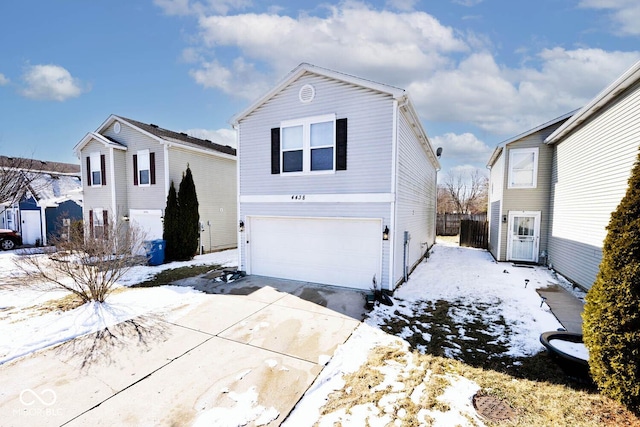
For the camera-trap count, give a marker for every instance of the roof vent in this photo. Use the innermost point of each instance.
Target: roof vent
(153, 126)
(307, 93)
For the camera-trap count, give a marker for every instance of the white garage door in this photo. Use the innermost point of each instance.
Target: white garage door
(334, 251)
(149, 221)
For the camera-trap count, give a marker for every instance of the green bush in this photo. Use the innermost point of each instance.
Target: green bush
(171, 225)
(189, 218)
(612, 310)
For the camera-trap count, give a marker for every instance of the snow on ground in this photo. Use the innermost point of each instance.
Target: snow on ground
(22, 333)
(468, 276)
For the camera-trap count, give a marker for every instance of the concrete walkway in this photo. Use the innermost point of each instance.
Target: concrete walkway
(250, 349)
(565, 306)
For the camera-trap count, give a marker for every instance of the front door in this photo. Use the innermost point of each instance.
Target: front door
(524, 236)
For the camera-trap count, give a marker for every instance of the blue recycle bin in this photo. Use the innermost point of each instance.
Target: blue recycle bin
(155, 251)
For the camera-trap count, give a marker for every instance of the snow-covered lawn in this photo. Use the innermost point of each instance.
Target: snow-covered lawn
(466, 282)
(24, 329)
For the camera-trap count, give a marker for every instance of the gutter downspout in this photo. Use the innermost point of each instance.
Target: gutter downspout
(392, 208)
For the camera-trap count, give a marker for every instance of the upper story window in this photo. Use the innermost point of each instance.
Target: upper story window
(308, 145)
(96, 173)
(144, 168)
(523, 167)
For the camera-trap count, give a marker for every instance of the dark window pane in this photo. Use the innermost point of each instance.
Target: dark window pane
(96, 178)
(322, 159)
(144, 177)
(292, 161)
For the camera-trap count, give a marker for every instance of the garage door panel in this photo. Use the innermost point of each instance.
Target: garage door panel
(337, 251)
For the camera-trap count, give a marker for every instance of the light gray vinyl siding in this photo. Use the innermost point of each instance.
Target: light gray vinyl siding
(494, 228)
(370, 125)
(141, 197)
(529, 199)
(320, 210)
(120, 169)
(496, 193)
(415, 200)
(95, 197)
(215, 181)
(592, 167)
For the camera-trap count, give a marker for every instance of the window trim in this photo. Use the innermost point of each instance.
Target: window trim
(144, 155)
(306, 123)
(95, 164)
(515, 151)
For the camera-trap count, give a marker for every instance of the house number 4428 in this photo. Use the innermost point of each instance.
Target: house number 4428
(298, 197)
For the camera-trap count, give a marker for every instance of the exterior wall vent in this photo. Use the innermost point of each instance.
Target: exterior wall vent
(307, 93)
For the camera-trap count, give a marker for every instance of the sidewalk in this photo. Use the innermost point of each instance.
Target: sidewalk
(566, 307)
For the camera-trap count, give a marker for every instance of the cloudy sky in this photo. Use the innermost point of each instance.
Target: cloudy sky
(478, 71)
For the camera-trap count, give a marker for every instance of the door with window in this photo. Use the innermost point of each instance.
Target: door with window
(524, 236)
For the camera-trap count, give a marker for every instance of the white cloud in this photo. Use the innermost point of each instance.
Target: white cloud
(464, 148)
(188, 7)
(404, 5)
(468, 3)
(625, 14)
(404, 45)
(3, 80)
(220, 136)
(508, 101)
(50, 82)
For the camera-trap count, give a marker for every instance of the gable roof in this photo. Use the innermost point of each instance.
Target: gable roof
(626, 80)
(38, 165)
(51, 189)
(163, 136)
(500, 146)
(303, 68)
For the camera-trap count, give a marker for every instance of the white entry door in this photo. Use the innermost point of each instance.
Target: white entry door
(524, 236)
(31, 227)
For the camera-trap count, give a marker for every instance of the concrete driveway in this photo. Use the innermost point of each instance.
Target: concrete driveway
(251, 349)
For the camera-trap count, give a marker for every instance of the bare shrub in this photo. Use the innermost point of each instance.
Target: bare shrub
(86, 264)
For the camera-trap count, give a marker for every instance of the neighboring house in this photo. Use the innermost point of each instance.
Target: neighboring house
(580, 174)
(594, 153)
(519, 183)
(337, 182)
(53, 192)
(128, 167)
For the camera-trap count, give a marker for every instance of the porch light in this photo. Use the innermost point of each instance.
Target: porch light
(241, 226)
(385, 233)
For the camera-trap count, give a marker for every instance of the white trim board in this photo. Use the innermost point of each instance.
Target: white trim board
(319, 198)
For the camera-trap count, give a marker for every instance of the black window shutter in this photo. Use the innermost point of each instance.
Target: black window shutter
(103, 169)
(152, 167)
(88, 171)
(91, 223)
(105, 224)
(341, 144)
(275, 151)
(135, 169)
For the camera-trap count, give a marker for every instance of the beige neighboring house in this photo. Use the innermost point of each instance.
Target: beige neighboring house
(128, 166)
(553, 189)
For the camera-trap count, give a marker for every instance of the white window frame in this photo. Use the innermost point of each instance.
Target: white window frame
(96, 166)
(98, 223)
(144, 164)
(519, 151)
(306, 143)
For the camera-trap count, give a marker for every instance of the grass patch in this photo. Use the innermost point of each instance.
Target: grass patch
(403, 384)
(171, 275)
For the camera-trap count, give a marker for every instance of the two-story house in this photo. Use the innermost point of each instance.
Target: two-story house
(519, 182)
(128, 166)
(553, 189)
(337, 182)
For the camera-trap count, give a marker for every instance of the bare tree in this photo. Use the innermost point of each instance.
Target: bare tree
(465, 192)
(86, 264)
(18, 176)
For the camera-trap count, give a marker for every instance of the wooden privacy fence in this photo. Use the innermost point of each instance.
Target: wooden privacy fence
(449, 224)
(474, 233)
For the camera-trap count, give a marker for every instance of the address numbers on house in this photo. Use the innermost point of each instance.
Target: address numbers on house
(298, 197)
